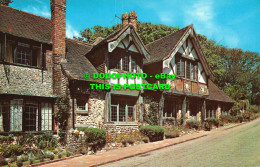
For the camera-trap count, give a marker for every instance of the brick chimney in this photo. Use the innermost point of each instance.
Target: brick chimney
(133, 19)
(58, 33)
(125, 18)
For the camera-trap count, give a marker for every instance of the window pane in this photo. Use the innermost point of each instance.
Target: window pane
(131, 117)
(125, 63)
(46, 114)
(31, 118)
(187, 69)
(122, 113)
(113, 113)
(133, 65)
(16, 115)
(192, 71)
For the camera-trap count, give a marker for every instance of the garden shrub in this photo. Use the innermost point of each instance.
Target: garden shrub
(3, 162)
(23, 158)
(228, 118)
(253, 109)
(12, 149)
(154, 133)
(213, 121)
(46, 140)
(95, 136)
(6, 139)
(193, 124)
(171, 133)
(239, 118)
(19, 163)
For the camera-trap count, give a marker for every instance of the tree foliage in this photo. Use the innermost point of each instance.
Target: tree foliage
(5, 2)
(237, 72)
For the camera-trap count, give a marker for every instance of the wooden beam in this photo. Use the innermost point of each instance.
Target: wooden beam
(140, 108)
(184, 107)
(161, 107)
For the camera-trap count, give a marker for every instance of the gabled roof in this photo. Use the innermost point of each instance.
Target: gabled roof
(115, 37)
(216, 94)
(26, 25)
(77, 64)
(161, 48)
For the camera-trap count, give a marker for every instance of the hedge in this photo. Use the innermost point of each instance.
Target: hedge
(153, 132)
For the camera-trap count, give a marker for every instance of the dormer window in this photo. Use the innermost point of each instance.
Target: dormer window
(124, 61)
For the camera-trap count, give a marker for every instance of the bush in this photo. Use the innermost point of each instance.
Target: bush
(228, 118)
(193, 124)
(52, 157)
(23, 158)
(95, 136)
(154, 133)
(6, 139)
(46, 140)
(253, 109)
(12, 149)
(239, 118)
(2, 161)
(171, 133)
(19, 163)
(213, 121)
(60, 156)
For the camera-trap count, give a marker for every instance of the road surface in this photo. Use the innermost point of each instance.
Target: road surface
(236, 147)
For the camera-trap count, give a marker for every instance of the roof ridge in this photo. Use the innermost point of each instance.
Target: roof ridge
(80, 42)
(168, 35)
(25, 12)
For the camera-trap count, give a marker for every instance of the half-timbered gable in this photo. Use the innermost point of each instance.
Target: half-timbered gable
(180, 54)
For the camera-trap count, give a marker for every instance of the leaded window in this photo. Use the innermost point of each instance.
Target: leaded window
(46, 116)
(124, 61)
(122, 109)
(31, 117)
(23, 54)
(16, 115)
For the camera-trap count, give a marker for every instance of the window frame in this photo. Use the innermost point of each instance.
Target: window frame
(126, 110)
(184, 67)
(132, 60)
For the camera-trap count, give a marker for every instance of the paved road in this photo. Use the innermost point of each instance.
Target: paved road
(236, 147)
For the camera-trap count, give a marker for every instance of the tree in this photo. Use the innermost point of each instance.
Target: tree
(5, 2)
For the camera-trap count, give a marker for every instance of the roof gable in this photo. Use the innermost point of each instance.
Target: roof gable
(165, 48)
(115, 39)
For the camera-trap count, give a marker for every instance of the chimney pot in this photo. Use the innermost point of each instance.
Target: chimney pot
(125, 18)
(133, 19)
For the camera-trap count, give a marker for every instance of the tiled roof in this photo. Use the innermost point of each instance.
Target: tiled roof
(216, 94)
(161, 48)
(77, 64)
(25, 25)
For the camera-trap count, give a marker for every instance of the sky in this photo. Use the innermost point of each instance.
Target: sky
(232, 23)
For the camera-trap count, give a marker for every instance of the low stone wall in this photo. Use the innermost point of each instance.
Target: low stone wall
(117, 128)
(75, 142)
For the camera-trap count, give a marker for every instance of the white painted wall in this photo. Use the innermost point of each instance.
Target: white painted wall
(201, 78)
